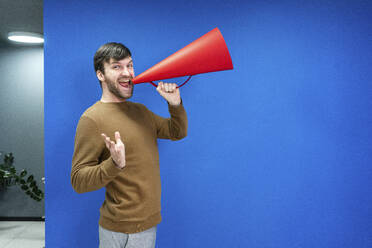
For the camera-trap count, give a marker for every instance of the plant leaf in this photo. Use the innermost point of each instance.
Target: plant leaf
(34, 189)
(30, 178)
(23, 173)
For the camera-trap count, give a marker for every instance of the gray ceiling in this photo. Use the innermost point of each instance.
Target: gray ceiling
(20, 15)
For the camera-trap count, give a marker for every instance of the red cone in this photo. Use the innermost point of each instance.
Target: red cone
(209, 53)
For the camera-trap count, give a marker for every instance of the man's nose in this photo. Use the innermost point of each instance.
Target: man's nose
(125, 72)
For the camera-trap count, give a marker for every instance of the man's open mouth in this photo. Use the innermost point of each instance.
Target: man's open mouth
(125, 84)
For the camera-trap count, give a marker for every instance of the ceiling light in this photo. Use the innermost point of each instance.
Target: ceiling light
(26, 37)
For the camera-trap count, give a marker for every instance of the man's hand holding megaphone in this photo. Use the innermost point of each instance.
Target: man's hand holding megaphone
(170, 92)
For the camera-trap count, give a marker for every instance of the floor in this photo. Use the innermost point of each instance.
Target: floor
(22, 234)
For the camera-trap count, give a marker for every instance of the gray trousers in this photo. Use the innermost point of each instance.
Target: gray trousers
(110, 239)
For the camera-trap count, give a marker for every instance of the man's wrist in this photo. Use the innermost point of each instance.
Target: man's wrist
(175, 104)
(117, 165)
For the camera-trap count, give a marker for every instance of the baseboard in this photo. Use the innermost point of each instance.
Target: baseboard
(22, 218)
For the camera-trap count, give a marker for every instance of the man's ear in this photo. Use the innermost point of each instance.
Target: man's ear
(100, 76)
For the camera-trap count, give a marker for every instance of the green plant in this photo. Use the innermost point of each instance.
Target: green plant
(9, 177)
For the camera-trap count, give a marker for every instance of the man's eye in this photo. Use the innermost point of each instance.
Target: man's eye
(116, 67)
(130, 66)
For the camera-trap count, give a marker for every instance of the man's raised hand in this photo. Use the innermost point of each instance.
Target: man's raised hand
(117, 150)
(170, 92)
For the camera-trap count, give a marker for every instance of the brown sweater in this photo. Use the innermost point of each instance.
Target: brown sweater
(132, 202)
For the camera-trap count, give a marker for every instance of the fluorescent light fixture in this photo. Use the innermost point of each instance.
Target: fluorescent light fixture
(26, 37)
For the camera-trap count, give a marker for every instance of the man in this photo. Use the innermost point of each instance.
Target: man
(116, 148)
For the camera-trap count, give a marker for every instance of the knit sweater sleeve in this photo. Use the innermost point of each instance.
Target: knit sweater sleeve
(88, 173)
(175, 127)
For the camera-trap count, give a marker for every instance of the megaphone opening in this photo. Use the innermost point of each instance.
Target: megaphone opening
(155, 85)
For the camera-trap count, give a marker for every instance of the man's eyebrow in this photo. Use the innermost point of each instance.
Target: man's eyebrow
(117, 62)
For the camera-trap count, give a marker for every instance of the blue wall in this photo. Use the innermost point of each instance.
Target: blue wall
(279, 149)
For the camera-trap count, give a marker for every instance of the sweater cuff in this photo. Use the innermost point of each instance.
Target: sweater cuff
(110, 168)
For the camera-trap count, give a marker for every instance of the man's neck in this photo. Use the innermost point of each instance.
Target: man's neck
(111, 98)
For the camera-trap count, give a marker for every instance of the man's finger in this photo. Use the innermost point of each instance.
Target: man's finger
(105, 140)
(117, 136)
(108, 142)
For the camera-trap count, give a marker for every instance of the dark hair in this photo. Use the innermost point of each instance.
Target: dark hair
(110, 50)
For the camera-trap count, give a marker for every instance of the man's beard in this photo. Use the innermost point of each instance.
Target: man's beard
(111, 87)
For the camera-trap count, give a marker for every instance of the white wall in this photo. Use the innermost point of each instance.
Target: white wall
(22, 123)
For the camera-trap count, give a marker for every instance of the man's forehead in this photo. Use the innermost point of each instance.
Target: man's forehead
(122, 61)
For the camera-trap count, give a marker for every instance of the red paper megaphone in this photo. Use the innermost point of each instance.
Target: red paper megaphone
(209, 53)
